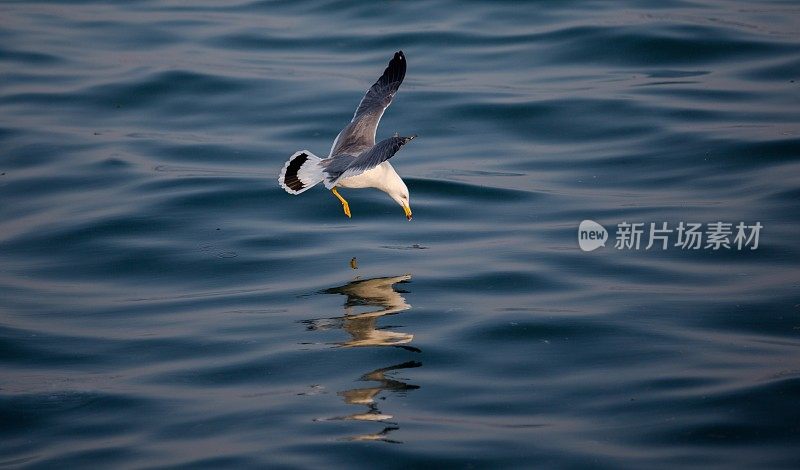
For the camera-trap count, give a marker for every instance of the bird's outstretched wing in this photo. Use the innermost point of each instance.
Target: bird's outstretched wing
(345, 166)
(360, 133)
(379, 96)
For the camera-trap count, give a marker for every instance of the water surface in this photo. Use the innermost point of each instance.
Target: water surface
(163, 303)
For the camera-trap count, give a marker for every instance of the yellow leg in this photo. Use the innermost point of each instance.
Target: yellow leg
(345, 205)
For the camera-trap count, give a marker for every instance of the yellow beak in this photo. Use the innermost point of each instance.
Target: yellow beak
(407, 211)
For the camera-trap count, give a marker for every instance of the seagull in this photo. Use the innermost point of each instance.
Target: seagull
(355, 160)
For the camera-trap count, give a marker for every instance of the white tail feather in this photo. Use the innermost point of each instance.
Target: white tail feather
(301, 171)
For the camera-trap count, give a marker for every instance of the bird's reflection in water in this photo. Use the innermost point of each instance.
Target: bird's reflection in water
(366, 396)
(362, 326)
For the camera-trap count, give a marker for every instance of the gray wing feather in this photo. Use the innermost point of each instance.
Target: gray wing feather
(335, 167)
(379, 96)
(378, 154)
(345, 166)
(359, 135)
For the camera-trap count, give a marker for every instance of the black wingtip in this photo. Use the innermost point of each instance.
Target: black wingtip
(396, 70)
(399, 58)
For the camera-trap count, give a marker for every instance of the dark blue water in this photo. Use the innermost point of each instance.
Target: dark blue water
(163, 303)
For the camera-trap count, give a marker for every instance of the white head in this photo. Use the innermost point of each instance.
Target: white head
(396, 188)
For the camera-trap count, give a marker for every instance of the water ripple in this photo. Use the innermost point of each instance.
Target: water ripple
(163, 303)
